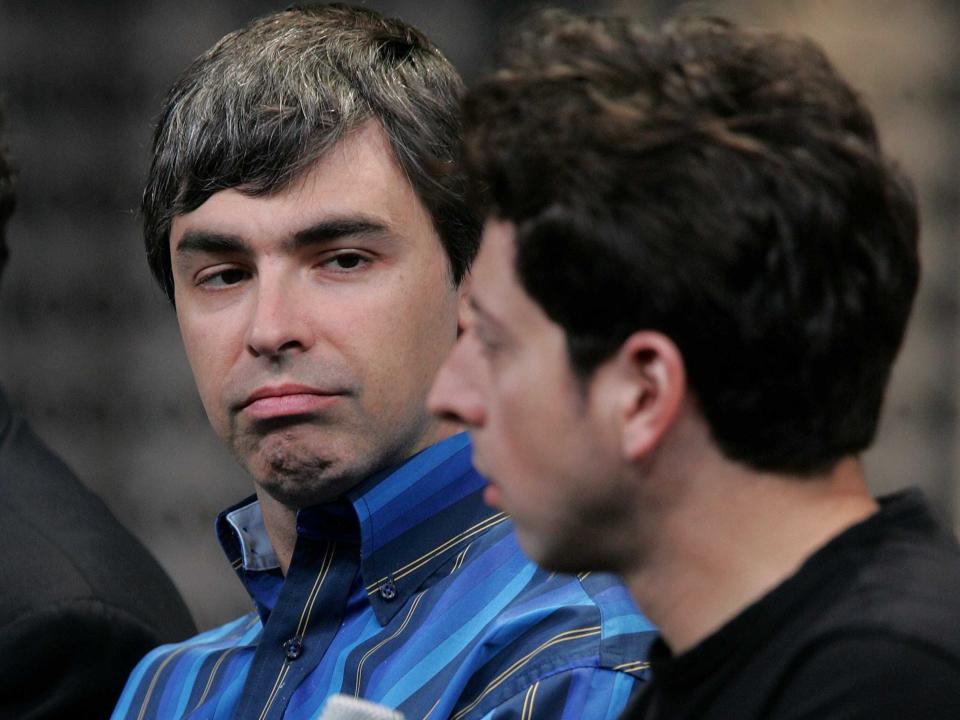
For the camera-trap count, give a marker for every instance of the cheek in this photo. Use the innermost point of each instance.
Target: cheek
(411, 334)
(196, 345)
(210, 367)
(539, 426)
(432, 313)
(516, 437)
(394, 353)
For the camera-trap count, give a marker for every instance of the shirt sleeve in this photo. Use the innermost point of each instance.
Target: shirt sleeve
(595, 693)
(875, 677)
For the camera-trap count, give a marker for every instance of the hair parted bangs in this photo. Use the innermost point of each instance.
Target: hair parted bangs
(258, 109)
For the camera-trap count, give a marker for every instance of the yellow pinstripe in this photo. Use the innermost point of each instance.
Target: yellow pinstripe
(430, 711)
(304, 619)
(213, 674)
(426, 557)
(497, 681)
(527, 712)
(276, 687)
(458, 563)
(630, 667)
(153, 681)
(371, 651)
(312, 598)
(213, 671)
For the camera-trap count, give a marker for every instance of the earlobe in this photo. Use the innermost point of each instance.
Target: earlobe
(654, 382)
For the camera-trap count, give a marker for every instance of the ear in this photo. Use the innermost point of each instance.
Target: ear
(653, 384)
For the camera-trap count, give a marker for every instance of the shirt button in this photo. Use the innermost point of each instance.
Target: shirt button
(293, 647)
(388, 591)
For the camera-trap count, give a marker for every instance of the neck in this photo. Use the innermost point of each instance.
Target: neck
(280, 522)
(735, 536)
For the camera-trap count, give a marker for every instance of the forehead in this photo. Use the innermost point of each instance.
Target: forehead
(495, 284)
(493, 267)
(359, 176)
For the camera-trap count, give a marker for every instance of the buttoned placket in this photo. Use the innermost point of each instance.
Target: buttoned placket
(301, 626)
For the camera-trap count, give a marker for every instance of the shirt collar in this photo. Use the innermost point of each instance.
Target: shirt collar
(246, 523)
(412, 520)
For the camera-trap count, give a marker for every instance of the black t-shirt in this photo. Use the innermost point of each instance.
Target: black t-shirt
(869, 627)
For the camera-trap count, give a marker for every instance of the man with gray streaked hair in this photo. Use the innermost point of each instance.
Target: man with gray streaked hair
(305, 214)
(267, 102)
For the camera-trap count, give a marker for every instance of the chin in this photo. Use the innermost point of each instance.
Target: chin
(305, 490)
(297, 478)
(551, 555)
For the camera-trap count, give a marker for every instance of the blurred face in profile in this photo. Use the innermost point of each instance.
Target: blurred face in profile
(541, 436)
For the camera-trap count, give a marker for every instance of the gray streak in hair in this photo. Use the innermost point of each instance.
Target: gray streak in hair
(266, 102)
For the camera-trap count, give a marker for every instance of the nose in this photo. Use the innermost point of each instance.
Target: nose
(279, 324)
(457, 392)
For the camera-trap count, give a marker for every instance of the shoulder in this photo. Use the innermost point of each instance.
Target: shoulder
(870, 674)
(552, 628)
(885, 637)
(593, 605)
(85, 622)
(167, 670)
(595, 693)
(61, 544)
(74, 654)
(906, 584)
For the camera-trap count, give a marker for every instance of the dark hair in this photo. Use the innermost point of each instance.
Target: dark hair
(8, 199)
(267, 101)
(723, 186)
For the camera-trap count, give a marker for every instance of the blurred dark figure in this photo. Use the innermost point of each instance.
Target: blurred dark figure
(81, 600)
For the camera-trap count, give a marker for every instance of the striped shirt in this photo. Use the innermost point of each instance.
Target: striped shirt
(409, 592)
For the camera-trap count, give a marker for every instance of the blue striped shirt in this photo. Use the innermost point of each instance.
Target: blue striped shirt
(409, 592)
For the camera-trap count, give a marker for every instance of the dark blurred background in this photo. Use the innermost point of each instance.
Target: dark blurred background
(89, 347)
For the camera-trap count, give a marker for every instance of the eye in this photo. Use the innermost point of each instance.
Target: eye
(489, 345)
(489, 348)
(346, 260)
(222, 278)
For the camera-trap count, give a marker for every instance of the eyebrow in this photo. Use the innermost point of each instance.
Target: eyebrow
(203, 241)
(486, 316)
(336, 228)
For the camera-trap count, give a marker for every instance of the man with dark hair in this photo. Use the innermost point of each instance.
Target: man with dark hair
(81, 600)
(305, 214)
(695, 274)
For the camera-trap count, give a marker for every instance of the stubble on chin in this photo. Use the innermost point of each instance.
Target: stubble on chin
(290, 472)
(303, 464)
(300, 482)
